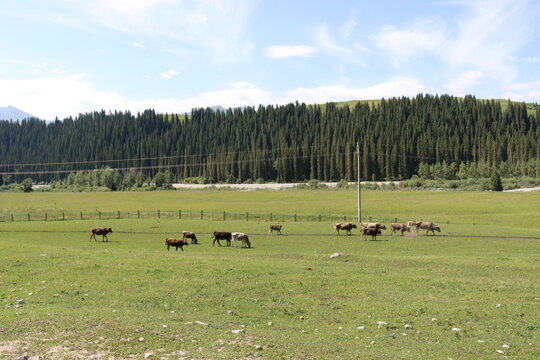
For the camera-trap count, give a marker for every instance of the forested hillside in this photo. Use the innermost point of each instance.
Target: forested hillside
(441, 136)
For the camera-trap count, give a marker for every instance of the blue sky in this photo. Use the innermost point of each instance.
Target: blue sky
(64, 57)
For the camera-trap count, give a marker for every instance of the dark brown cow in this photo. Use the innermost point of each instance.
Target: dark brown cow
(221, 235)
(343, 226)
(189, 235)
(176, 243)
(370, 231)
(276, 228)
(400, 227)
(100, 231)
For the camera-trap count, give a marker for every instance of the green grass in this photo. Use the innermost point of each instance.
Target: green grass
(95, 298)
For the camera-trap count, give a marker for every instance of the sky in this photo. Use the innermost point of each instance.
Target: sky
(60, 58)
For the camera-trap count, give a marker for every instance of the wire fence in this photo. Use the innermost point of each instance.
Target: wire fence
(183, 215)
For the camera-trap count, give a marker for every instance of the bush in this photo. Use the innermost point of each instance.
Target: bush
(342, 184)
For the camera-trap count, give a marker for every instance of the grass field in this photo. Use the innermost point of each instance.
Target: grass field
(96, 300)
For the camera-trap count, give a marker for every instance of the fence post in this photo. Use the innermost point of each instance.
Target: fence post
(294, 217)
(224, 216)
(395, 220)
(370, 220)
(45, 216)
(118, 214)
(202, 214)
(11, 217)
(81, 215)
(63, 217)
(179, 214)
(319, 218)
(28, 216)
(247, 216)
(345, 218)
(270, 216)
(158, 214)
(99, 215)
(138, 214)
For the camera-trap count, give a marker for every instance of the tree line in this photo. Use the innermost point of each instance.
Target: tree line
(431, 136)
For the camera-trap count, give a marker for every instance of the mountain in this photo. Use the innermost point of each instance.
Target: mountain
(12, 113)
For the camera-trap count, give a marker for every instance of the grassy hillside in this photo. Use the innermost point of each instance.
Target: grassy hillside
(463, 297)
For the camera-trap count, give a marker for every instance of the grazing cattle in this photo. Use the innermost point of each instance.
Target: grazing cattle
(241, 237)
(370, 231)
(400, 227)
(428, 226)
(373, 225)
(176, 243)
(189, 235)
(344, 226)
(276, 228)
(220, 235)
(413, 223)
(100, 231)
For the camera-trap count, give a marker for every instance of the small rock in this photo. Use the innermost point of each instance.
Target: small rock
(243, 326)
(381, 323)
(308, 268)
(21, 301)
(407, 326)
(335, 255)
(258, 347)
(500, 351)
(340, 328)
(505, 346)
(456, 329)
(141, 339)
(301, 317)
(172, 311)
(372, 342)
(17, 306)
(164, 326)
(302, 331)
(404, 334)
(499, 305)
(230, 312)
(147, 355)
(434, 319)
(55, 295)
(360, 328)
(201, 323)
(269, 323)
(238, 331)
(480, 341)
(30, 294)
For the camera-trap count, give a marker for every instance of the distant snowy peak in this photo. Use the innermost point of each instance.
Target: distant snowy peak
(12, 113)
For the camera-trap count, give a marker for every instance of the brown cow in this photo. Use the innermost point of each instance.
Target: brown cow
(176, 243)
(428, 226)
(400, 227)
(370, 231)
(344, 226)
(100, 231)
(189, 235)
(220, 235)
(275, 227)
(373, 225)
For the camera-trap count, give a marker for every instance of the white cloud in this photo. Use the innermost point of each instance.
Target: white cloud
(394, 88)
(169, 74)
(285, 51)
(137, 45)
(415, 40)
(68, 96)
(531, 59)
(343, 53)
(347, 28)
(217, 25)
(465, 82)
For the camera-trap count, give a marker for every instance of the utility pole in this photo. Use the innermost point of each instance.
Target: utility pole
(358, 177)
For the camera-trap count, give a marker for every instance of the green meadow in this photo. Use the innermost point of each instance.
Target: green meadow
(463, 293)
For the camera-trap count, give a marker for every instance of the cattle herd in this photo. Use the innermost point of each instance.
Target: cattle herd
(368, 228)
